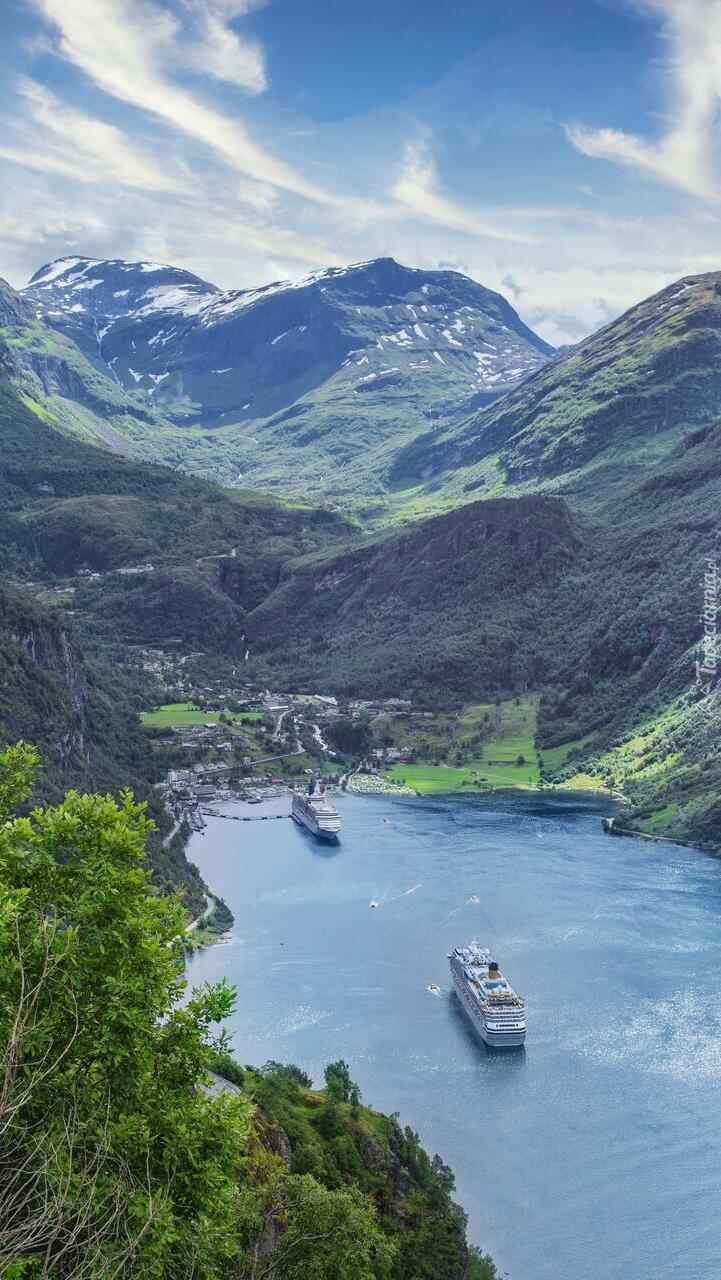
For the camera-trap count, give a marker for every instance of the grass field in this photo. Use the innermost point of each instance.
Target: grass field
(178, 713)
(507, 732)
(435, 778)
(554, 757)
(189, 713)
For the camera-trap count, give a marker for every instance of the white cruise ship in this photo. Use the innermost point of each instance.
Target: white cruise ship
(315, 811)
(495, 1011)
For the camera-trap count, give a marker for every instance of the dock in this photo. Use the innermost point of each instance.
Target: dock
(236, 817)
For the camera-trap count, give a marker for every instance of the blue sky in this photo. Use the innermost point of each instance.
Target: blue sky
(562, 152)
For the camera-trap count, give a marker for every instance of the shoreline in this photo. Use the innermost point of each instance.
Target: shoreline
(549, 788)
(610, 829)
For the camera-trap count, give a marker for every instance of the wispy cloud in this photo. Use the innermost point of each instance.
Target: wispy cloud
(56, 138)
(418, 192)
(683, 156)
(126, 48)
(219, 51)
(153, 112)
(35, 231)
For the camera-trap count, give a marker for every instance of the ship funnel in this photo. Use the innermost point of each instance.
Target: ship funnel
(493, 968)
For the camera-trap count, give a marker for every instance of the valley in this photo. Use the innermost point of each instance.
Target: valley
(513, 531)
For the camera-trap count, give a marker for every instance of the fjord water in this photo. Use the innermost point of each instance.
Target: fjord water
(596, 1150)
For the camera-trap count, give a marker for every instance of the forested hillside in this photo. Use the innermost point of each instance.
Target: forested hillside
(596, 608)
(68, 506)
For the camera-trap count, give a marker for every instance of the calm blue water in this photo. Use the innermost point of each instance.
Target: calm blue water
(596, 1152)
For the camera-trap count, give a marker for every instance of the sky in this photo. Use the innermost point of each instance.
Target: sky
(564, 152)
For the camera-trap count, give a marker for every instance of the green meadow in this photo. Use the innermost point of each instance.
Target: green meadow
(178, 713)
(173, 713)
(492, 739)
(498, 744)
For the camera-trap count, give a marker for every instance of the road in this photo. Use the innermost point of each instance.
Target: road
(173, 832)
(276, 733)
(283, 756)
(209, 904)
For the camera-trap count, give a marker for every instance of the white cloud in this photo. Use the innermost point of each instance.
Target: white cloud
(125, 48)
(417, 191)
(236, 221)
(257, 195)
(565, 304)
(222, 54)
(26, 228)
(59, 139)
(683, 157)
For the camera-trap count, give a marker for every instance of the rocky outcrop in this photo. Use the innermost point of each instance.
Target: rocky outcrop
(14, 308)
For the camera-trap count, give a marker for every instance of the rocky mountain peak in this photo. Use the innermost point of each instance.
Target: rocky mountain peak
(346, 356)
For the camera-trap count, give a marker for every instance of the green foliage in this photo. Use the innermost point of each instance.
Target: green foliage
(331, 1235)
(81, 711)
(289, 1070)
(344, 1145)
(338, 1085)
(112, 1153)
(19, 767)
(351, 737)
(438, 613)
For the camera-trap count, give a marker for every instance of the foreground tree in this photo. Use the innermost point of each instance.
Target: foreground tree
(328, 1235)
(112, 1157)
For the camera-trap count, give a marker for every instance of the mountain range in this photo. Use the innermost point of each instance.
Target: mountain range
(525, 523)
(293, 384)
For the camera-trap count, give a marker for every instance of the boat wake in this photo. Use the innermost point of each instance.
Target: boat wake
(378, 900)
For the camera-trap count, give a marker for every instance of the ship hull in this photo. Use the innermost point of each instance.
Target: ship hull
(493, 1039)
(328, 837)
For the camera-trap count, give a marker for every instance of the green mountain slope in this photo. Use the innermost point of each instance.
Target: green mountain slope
(43, 684)
(342, 1144)
(74, 391)
(83, 715)
(598, 611)
(440, 611)
(67, 506)
(611, 406)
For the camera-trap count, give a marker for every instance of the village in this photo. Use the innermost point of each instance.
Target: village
(218, 736)
(225, 740)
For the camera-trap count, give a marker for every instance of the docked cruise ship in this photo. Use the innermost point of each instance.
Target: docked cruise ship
(495, 1011)
(315, 811)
